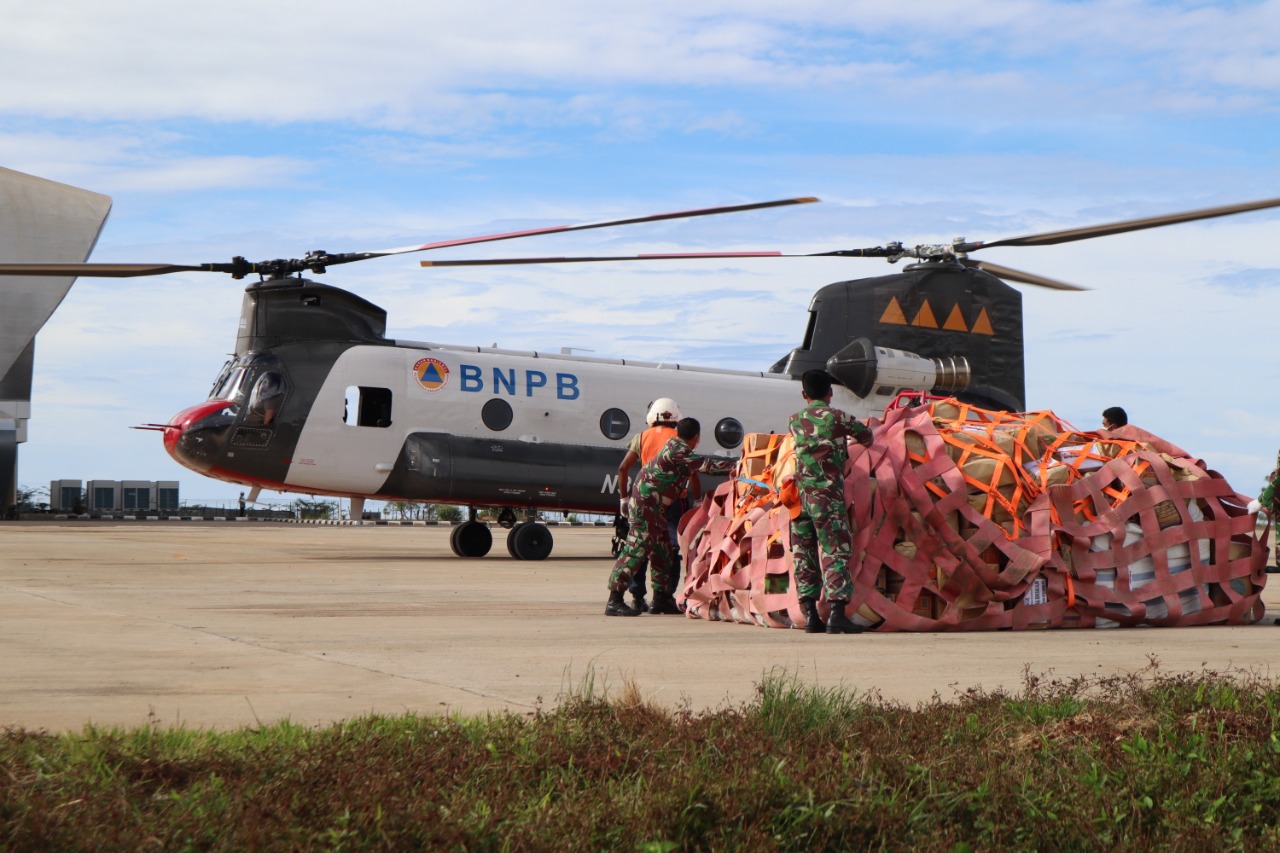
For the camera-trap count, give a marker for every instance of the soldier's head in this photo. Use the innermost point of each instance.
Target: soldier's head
(1114, 418)
(690, 430)
(816, 385)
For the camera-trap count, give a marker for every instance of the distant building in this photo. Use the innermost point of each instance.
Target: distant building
(113, 495)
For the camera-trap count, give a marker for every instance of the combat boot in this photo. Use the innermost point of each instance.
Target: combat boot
(638, 603)
(618, 607)
(838, 623)
(813, 623)
(665, 602)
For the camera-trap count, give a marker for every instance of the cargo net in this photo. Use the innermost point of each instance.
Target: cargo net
(968, 519)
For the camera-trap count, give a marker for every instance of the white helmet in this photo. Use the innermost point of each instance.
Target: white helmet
(663, 409)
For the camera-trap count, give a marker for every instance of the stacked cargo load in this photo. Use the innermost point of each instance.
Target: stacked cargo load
(970, 519)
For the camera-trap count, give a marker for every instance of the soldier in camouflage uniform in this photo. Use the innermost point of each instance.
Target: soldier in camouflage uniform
(821, 536)
(660, 482)
(1269, 500)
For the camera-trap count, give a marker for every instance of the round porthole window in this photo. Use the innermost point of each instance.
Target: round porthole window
(615, 424)
(496, 415)
(729, 432)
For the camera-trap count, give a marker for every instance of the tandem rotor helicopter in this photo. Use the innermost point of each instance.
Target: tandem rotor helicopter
(317, 400)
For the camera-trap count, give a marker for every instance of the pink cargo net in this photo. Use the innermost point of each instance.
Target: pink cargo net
(968, 519)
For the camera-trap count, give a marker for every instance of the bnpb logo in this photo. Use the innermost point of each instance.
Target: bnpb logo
(431, 373)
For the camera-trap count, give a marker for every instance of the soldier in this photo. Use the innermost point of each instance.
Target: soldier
(659, 484)
(1269, 500)
(821, 537)
(662, 417)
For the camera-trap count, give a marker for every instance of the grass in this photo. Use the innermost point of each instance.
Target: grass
(1126, 763)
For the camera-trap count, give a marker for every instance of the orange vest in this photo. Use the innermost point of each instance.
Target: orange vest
(653, 440)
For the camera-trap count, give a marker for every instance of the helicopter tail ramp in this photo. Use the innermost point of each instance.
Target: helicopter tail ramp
(40, 221)
(969, 519)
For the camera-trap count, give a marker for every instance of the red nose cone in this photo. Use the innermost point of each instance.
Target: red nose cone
(181, 422)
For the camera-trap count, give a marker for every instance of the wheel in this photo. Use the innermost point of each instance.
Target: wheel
(471, 539)
(530, 541)
(511, 541)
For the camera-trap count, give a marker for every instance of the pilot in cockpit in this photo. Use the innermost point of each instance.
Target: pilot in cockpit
(266, 399)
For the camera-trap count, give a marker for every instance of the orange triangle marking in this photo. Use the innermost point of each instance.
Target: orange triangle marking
(955, 321)
(893, 314)
(925, 317)
(982, 326)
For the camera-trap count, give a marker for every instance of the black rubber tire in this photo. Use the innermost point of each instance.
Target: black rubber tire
(530, 541)
(511, 542)
(471, 539)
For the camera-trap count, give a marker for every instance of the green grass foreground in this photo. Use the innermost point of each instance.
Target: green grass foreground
(1145, 761)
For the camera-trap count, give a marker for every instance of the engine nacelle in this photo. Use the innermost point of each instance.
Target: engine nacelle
(866, 369)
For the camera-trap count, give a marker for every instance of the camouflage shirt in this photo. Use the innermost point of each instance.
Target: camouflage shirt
(1268, 496)
(666, 475)
(821, 435)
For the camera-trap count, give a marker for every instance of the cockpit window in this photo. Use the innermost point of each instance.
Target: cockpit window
(230, 384)
(222, 377)
(266, 398)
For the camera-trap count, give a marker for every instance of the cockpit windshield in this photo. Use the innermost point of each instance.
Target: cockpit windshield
(254, 383)
(230, 383)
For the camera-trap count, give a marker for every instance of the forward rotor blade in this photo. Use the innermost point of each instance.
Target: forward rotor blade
(1052, 237)
(586, 226)
(665, 256)
(99, 270)
(1019, 276)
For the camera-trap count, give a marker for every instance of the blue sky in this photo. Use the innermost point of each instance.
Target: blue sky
(266, 129)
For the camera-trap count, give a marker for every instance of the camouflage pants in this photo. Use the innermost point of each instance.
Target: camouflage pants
(673, 513)
(821, 542)
(648, 540)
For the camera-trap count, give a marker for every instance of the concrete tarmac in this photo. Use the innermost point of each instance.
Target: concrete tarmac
(226, 625)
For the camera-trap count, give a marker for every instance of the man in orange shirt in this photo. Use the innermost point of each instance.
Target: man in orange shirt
(663, 415)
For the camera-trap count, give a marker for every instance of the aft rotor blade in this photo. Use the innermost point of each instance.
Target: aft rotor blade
(662, 256)
(1052, 237)
(586, 226)
(1022, 277)
(103, 270)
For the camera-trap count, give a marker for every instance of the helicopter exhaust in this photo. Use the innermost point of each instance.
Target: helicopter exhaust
(864, 368)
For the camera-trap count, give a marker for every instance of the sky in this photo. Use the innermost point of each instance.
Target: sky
(267, 129)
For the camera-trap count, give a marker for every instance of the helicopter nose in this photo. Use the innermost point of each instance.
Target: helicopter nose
(196, 436)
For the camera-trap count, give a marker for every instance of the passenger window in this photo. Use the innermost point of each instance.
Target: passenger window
(368, 407)
(615, 424)
(497, 414)
(729, 432)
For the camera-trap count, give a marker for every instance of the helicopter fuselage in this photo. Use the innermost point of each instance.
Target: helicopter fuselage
(478, 426)
(318, 401)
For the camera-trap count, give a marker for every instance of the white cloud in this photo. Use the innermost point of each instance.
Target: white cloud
(270, 129)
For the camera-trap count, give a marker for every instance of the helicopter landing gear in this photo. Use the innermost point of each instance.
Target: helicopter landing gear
(471, 539)
(507, 518)
(529, 540)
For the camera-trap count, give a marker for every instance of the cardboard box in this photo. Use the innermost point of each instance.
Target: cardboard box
(1038, 593)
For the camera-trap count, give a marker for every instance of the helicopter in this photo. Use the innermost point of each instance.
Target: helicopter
(317, 400)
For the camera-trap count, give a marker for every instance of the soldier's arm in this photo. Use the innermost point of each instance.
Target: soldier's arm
(624, 471)
(714, 464)
(853, 427)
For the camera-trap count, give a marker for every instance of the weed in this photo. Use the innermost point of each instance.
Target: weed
(1145, 760)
